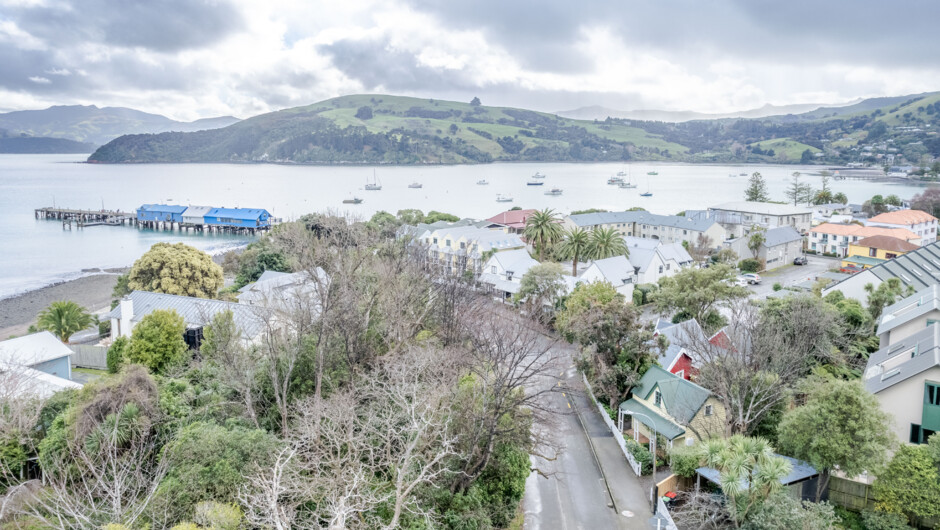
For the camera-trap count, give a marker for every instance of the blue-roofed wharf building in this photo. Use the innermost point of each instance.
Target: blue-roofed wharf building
(160, 213)
(247, 218)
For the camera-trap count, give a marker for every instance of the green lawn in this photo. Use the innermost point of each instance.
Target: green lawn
(791, 148)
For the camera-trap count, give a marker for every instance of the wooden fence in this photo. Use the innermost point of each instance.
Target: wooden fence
(855, 496)
(86, 356)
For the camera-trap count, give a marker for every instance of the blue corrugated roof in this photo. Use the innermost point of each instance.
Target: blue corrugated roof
(236, 213)
(164, 208)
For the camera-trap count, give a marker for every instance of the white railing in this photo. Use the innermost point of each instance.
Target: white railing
(663, 513)
(634, 465)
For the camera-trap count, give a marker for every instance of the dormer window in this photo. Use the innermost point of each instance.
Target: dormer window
(509, 275)
(658, 398)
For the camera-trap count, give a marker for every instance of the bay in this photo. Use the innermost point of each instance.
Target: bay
(34, 253)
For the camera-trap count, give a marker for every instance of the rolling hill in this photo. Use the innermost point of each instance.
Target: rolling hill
(90, 124)
(24, 144)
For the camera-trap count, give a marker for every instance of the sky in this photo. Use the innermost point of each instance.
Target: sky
(190, 59)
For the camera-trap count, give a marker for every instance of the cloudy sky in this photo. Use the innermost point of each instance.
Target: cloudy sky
(198, 58)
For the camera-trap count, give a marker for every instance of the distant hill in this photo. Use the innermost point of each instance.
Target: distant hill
(380, 129)
(601, 113)
(398, 130)
(24, 144)
(88, 123)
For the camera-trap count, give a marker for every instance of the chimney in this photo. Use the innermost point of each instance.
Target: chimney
(127, 313)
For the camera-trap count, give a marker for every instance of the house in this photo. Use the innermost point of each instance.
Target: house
(678, 359)
(830, 238)
(676, 409)
(462, 248)
(918, 269)
(908, 316)
(617, 271)
(195, 215)
(282, 291)
(781, 245)
(504, 271)
(238, 217)
(740, 217)
(828, 210)
(921, 223)
(905, 379)
(652, 259)
(514, 220)
(799, 483)
(881, 247)
(41, 351)
(643, 224)
(161, 213)
(196, 312)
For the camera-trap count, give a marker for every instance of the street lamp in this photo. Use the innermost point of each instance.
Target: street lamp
(652, 445)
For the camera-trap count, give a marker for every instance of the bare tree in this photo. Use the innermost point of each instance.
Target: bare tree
(234, 361)
(266, 495)
(702, 247)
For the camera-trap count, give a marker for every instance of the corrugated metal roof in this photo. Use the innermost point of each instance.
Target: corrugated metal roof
(162, 208)
(237, 213)
(679, 335)
(799, 472)
(919, 268)
(196, 311)
(781, 236)
(681, 398)
(763, 208)
(615, 269)
(32, 382)
(196, 211)
(656, 421)
(33, 349)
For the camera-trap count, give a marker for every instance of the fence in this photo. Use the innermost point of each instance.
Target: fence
(855, 496)
(663, 514)
(634, 465)
(86, 356)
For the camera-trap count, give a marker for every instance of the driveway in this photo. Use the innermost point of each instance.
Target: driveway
(790, 275)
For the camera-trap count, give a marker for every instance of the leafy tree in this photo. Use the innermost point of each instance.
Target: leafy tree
(157, 341)
(475, 102)
(749, 265)
(840, 198)
(64, 319)
(542, 230)
(798, 191)
(575, 244)
(607, 243)
(757, 189)
(697, 292)
(910, 486)
(725, 256)
(115, 356)
(120, 288)
(541, 286)
(806, 157)
(384, 223)
(256, 259)
(857, 434)
(884, 521)
(887, 293)
(893, 200)
(410, 216)
(824, 195)
(208, 462)
(434, 216)
(783, 512)
(176, 269)
(364, 113)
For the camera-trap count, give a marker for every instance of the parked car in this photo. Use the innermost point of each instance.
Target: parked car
(800, 260)
(850, 269)
(751, 278)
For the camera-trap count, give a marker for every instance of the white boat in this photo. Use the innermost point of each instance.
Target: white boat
(614, 180)
(621, 173)
(538, 175)
(416, 185)
(627, 185)
(554, 191)
(503, 198)
(482, 182)
(374, 185)
(354, 200)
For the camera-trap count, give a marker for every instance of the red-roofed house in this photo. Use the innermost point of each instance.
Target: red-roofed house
(514, 219)
(921, 223)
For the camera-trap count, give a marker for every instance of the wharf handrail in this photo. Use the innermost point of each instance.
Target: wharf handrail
(634, 465)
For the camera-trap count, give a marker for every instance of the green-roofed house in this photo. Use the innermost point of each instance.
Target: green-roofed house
(678, 410)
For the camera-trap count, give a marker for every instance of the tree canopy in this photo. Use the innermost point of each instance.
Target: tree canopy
(63, 319)
(757, 189)
(176, 268)
(157, 341)
(698, 293)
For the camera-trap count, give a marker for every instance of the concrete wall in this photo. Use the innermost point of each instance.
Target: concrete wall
(854, 287)
(905, 402)
(907, 329)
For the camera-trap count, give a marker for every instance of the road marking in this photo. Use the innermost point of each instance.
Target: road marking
(566, 395)
(569, 405)
(626, 513)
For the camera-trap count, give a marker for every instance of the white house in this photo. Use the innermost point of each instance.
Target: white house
(921, 223)
(618, 271)
(504, 270)
(37, 364)
(653, 259)
(643, 224)
(739, 217)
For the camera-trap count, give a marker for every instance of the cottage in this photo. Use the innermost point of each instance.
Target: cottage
(676, 409)
(921, 223)
(504, 271)
(238, 217)
(678, 359)
(160, 213)
(653, 259)
(41, 351)
(617, 271)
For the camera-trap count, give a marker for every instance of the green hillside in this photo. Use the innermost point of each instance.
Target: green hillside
(399, 130)
(791, 149)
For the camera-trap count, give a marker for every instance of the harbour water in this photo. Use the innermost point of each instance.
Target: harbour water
(34, 253)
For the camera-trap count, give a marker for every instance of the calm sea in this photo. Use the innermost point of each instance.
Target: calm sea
(36, 253)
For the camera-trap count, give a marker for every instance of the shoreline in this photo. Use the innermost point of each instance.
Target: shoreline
(93, 292)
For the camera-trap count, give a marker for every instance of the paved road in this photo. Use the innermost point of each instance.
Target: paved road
(791, 275)
(575, 495)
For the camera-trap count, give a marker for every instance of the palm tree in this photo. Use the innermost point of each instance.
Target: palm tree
(575, 245)
(63, 319)
(542, 229)
(606, 243)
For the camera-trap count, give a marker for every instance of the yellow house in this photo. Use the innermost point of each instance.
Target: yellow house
(676, 409)
(871, 251)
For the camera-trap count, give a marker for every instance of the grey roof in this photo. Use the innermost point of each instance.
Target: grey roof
(919, 268)
(33, 349)
(283, 291)
(516, 260)
(679, 335)
(641, 258)
(641, 217)
(763, 208)
(682, 398)
(653, 419)
(675, 251)
(800, 471)
(195, 311)
(615, 269)
(196, 211)
(903, 360)
(916, 305)
(781, 236)
(832, 206)
(25, 381)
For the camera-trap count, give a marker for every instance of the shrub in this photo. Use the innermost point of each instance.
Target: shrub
(104, 328)
(157, 341)
(884, 521)
(777, 286)
(782, 512)
(642, 455)
(749, 265)
(685, 460)
(116, 355)
(645, 290)
(218, 516)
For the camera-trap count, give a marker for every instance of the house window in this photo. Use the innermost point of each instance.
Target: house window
(873, 252)
(659, 398)
(493, 269)
(889, 255)
(660, 269)
(920, 435)
(709, 410)
(667, 266)
(447, 243)
(435, 240)
(931, 394)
